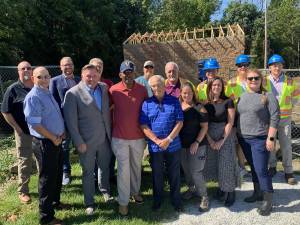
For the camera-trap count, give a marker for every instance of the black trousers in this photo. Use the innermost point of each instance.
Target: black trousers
(172, 160)
(50, 161)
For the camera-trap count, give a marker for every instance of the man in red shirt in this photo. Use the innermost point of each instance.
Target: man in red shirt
(128, 141)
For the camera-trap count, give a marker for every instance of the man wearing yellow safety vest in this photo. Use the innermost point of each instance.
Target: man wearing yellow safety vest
(286, 91)
(234, 89)
(211, 67)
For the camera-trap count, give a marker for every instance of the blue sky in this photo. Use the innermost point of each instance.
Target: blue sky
(219, 13)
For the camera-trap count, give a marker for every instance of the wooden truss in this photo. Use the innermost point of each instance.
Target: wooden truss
(196, 34)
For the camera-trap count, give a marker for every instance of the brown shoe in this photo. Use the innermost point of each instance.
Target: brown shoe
(290, 179)
(55, 222)
(123, 210)
(61, 206)
(138, 199)
(24, 198)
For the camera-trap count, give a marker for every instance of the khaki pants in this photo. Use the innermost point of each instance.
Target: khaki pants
(284, 136)
(129, 155)
(24, 157)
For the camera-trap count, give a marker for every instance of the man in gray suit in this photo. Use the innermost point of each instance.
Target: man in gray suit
(86, 111)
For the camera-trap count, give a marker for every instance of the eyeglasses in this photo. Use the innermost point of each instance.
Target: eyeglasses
(242, 65)
(148, 67)
(253, 78)
(26, 68)
(46, 77)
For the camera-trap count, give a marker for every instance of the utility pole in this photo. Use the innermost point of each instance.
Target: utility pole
(266, 37)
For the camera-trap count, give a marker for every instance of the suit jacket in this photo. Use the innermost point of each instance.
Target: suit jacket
(85, 122)
(58, 87)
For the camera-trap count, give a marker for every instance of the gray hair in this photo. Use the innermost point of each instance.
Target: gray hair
(173, 64)
(158, 77)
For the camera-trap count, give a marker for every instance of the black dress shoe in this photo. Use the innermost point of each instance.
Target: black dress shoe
(179, 208)
(230, 199)
(156, 206)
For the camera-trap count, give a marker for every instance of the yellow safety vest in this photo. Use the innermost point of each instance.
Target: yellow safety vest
(234, 89)
(289, 92)
(201, 91)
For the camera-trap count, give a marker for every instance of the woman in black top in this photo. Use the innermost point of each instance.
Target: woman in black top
(221, 164)
(192, 136)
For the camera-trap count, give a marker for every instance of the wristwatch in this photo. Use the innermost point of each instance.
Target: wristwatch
(271, 138)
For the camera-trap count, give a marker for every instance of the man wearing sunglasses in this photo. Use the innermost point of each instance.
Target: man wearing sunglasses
(143, 79)
(286, 92)
(46, 125)
(12, 111)
(234, 89)
(58, 87)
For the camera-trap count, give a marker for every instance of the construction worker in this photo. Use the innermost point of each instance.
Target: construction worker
(286, 92)
(211, 67)
(234, 89)
(201, 73)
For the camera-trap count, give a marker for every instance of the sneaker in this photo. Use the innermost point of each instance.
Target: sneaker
(290, 179)
(138, 199)
(204, 204)
(188, 194)
(272, 171)
(89, 211)
(123, 210)
(66, 179)
(24, 198)
(107, 197)
(243, 172)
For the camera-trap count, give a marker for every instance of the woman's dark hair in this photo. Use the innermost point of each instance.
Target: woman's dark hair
(188, 84)
(210, 95)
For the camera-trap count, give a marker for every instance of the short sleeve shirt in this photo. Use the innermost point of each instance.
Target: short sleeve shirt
(161, 118)
(218, 112)
(126, 111)
(13, 103)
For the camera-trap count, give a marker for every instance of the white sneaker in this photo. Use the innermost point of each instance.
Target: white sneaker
(89, 211)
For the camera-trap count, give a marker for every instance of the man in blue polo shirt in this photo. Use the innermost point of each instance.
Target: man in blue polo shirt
(161, 119)
(46, 125)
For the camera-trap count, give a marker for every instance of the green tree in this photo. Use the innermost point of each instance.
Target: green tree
(182, 14)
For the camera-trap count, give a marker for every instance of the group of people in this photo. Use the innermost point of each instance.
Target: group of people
(208, 131)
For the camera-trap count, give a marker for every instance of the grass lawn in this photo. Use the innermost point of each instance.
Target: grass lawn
(12, 212)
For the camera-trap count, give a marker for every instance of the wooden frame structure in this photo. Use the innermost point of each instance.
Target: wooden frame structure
(196, 34)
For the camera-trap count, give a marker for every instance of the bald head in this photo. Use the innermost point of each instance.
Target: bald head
(41, 77)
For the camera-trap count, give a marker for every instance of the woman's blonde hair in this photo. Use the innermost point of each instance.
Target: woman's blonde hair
(264, 98)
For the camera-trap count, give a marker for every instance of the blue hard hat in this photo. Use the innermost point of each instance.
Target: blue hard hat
(275, 59)
(210, 64)
(242, 59)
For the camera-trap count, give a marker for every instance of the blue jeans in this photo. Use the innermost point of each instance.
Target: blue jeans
(258, 156)
(66, 153)
(172, 160)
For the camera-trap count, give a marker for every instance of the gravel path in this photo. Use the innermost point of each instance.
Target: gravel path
(286, 209)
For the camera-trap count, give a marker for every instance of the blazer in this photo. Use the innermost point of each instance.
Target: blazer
(85, 122)
(58, 87)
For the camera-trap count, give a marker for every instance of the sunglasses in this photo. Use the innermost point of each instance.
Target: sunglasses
(242, 65)
(46, 77)
(149, 67)
(26, 68)
(253, 78)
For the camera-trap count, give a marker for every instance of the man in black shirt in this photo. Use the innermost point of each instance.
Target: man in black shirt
(12, 111)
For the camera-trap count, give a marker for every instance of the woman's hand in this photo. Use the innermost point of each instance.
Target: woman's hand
(270, 145)
(194, 148)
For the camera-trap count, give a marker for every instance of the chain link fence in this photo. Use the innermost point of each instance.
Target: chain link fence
(295, 74)
(9, 75)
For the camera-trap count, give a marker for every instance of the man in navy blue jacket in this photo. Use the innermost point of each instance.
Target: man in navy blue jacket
(58, 87)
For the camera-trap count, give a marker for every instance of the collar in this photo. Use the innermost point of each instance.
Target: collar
(41, 90)
(124, 88)
(90, 90)
(177, 85)
(280, 78)
(156, 100)
(66, 77)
